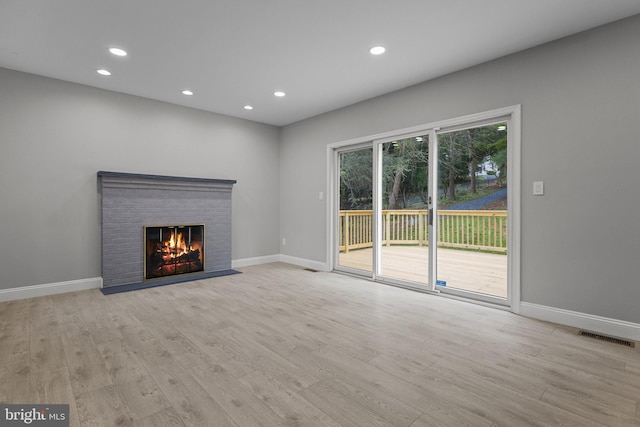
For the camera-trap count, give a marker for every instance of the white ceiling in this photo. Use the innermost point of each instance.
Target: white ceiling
(237, 52)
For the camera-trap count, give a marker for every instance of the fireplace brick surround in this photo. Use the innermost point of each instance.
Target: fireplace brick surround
(132, 201)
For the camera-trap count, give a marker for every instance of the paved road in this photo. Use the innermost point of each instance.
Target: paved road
(476, 204)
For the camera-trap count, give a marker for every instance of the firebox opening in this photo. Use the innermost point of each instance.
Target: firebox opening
(171, 250)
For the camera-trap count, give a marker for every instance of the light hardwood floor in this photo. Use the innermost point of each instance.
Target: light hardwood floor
(279, 345)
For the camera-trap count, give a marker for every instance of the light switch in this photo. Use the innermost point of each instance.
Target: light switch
(538, 188)
(321, 195)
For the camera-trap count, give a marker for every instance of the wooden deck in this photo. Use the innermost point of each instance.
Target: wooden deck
(472, 271)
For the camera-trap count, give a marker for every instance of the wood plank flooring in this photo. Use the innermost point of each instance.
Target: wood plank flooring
(282, 346)
(471, 271)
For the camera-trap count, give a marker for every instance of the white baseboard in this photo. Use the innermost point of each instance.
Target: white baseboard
(588, 322)
(96, 282)
(306, 263)
(50, 289)
(302, 262)
(247, 262)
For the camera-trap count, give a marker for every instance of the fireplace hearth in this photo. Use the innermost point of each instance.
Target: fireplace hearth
(173, 250)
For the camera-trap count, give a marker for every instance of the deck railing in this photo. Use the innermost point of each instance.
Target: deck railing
(478, 230)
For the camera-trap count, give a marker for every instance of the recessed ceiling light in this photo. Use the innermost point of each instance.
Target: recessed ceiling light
(118, 52)
(187, 92)
(103, 72)
(377, 50)
(279, 94)
(248, 107)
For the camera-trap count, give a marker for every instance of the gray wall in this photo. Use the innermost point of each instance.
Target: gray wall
(55, 136)
(580, 101)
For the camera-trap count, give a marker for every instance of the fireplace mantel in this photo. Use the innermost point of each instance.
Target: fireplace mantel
(134, 180)
(132, 201)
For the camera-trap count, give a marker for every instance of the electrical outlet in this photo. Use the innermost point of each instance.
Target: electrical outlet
(284, 241)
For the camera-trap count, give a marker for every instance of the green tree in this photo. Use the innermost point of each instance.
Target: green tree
(461, 153)
(405, 167)
(499, 158)
(453, 150)
(356, 179)
(404, 164)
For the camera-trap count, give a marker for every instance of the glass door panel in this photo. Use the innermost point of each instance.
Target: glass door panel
(355, 218)
(404, 251)
(472, 210)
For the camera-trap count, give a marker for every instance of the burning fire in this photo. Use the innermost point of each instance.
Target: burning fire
(177, 248)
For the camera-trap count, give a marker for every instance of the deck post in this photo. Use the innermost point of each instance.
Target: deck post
(347, 237)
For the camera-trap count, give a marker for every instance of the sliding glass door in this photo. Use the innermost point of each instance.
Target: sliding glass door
(472, 210)
(429, 209)
(404, 213)
(355, 218)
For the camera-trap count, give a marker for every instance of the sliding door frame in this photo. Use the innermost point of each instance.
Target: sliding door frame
(377, 211)
(333, 190)
(511, 115)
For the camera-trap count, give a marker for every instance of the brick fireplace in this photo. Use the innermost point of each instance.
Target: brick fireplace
(192, 214)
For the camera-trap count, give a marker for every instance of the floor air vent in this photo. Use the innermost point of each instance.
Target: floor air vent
(311, 270)
(614, 340)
